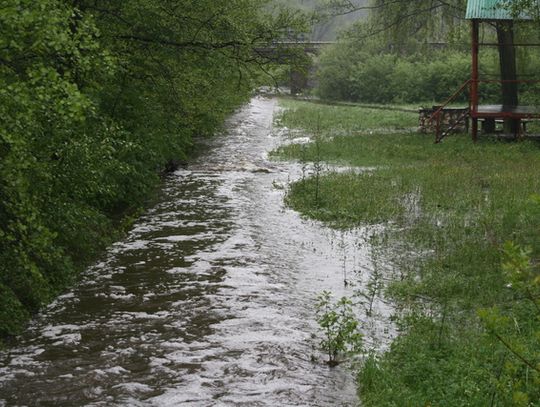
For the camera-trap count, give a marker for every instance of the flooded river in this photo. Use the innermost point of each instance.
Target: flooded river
(208, 301)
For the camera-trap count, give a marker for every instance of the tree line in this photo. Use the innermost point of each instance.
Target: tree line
(419, 52)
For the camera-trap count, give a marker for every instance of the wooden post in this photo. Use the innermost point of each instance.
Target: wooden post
(474, 78)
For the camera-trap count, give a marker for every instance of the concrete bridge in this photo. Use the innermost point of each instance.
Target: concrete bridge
(309, 47)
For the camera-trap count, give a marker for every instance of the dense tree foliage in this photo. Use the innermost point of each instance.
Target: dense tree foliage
(329, 19)
(419, 52)
(96, 97)
(530, 8)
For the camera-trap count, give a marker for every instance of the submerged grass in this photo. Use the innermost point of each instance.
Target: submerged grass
(456, 204)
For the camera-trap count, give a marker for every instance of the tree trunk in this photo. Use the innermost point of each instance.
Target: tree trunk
(507, 62)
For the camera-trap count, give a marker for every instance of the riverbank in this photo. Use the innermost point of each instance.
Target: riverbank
(449, 210)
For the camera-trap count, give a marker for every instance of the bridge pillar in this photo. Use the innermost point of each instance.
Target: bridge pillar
(298, 79)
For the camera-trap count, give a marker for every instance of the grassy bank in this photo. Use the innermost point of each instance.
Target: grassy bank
(335, 119)
(467, 305)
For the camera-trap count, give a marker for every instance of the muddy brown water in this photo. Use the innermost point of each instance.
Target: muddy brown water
(208, 301)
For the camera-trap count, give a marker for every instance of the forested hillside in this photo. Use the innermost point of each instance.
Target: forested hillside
(95, 98)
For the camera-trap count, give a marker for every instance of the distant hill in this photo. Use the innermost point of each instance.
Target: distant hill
(328, 30)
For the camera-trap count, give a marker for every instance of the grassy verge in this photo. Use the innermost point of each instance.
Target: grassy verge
(340, 120)
(466, 331)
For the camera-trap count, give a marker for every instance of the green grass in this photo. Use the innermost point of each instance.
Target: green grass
(337, 119)
(411, 107)
(449, 209)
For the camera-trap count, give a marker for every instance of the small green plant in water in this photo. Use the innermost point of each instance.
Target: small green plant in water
(340, 327)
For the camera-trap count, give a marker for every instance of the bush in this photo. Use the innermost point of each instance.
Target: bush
(370, 80)
(340, 327)
(335, 71)
(432, 77)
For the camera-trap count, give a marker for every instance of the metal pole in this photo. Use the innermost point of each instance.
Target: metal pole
(474, 78)
(438, 128)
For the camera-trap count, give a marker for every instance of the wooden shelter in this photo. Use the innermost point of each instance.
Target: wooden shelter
(509, 111)
(481, 11)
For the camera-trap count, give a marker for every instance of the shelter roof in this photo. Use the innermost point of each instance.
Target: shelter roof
(490, 10)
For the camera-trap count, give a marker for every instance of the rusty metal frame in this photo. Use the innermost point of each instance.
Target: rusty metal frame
(437, 114)
(475, 81)
(473, 103)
